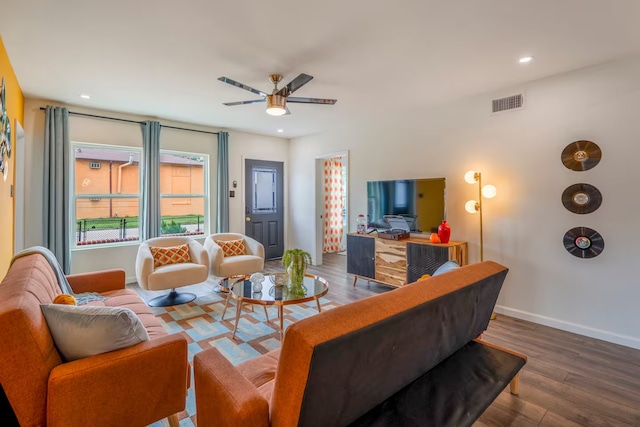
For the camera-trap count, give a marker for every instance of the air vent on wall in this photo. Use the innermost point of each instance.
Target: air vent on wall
(513, 102)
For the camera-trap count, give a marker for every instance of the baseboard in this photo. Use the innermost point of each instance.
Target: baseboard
(130, 280)
(570, 327)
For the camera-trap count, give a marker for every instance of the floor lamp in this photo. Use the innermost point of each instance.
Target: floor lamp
(473, 206)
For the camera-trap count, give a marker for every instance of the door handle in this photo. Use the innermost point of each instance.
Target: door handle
(247, 219)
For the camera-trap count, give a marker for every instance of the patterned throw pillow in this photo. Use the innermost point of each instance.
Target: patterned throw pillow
(170, 255)
(231, 247)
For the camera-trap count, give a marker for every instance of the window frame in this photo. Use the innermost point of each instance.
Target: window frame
(73, 197)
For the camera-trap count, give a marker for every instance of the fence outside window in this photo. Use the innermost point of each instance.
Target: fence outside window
(93, 231)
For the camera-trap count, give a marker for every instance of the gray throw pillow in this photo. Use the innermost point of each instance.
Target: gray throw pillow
(447, 266)
(81, 331)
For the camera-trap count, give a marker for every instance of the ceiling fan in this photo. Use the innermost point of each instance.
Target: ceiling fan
(277, 100)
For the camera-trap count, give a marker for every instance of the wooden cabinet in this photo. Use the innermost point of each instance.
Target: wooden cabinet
(391, 262)
(361, 256)
(398, 262)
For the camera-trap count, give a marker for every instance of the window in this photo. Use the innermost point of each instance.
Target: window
(401, 195)
(183, 192)
(264, 190)
(105, 200)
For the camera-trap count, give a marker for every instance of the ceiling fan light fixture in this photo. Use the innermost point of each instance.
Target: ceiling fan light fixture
(276, 105)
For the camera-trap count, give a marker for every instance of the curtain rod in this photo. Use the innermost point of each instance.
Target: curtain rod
(133, 121)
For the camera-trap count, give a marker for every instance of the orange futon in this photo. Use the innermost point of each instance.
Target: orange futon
(133, 386)
(405, 357)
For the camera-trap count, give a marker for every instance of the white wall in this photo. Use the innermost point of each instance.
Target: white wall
(518, 152)
(241, 145)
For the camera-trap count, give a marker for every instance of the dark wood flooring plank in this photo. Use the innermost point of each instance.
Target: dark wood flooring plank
(625, 394)
(598, 406)
(495, 416)
(508, 409)
(551, 419)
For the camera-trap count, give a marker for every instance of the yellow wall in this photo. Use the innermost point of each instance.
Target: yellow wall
(15, 110)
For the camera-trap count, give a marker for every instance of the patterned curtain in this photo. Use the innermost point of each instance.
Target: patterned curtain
(333, 228)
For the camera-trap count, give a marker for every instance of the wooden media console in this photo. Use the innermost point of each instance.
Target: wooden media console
(398, 262)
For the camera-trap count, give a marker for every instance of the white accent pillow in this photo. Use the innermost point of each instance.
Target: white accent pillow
(80, 331)
(446, 267)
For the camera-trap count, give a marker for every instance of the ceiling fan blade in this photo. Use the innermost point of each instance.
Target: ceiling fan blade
(241, 86)
(253, 101)
(299, 100)
(295, 84)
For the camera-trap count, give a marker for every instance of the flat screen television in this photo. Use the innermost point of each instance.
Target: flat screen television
(420, 202)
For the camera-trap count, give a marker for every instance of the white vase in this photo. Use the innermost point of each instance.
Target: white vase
(257, 286)
(256, 282)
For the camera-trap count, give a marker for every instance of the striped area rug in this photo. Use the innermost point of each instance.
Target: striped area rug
(201, 322)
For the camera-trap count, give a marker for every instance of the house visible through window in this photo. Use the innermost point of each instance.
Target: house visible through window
(183, 190)
(107, 193)
(106, 197)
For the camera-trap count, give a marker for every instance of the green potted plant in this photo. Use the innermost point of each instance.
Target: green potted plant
(296, 262)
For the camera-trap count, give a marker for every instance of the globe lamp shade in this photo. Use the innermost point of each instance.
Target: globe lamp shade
(489, 191)
(470, 177)
(471, 206)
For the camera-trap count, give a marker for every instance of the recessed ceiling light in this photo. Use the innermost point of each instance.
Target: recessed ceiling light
(280, 130)
(525, 59)
(85, 96)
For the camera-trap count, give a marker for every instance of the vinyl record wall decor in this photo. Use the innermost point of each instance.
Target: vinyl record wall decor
(581, 155)
(582, 199)
(5, 135)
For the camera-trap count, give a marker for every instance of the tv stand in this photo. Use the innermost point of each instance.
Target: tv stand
(398, 262)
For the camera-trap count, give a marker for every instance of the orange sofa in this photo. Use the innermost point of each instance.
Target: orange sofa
(405, 357)
(133, 386)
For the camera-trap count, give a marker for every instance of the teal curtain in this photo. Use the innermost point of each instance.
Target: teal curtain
(150, 220)
(222, 217)
(56, 185)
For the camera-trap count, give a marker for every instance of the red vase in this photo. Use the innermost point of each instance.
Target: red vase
(444, 232)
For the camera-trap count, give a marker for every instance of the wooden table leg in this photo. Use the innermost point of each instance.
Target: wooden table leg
(355, 279)
(265, 312)
(281, 315)
(238, 312)
(318, 302)
(515, 384)
(173, 420)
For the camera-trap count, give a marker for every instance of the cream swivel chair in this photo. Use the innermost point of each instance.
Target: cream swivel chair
(172, 275)
(252, 261)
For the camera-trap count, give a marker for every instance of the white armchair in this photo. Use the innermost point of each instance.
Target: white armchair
(171, 276)
(226, 266)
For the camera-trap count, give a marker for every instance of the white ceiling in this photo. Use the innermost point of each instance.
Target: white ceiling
(162, 58)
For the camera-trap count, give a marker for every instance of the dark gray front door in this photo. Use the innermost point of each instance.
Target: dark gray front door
(264, 205)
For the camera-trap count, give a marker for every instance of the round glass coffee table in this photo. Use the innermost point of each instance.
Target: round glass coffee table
(313, 287)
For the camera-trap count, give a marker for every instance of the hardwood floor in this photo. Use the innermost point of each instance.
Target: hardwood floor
(569, 380)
